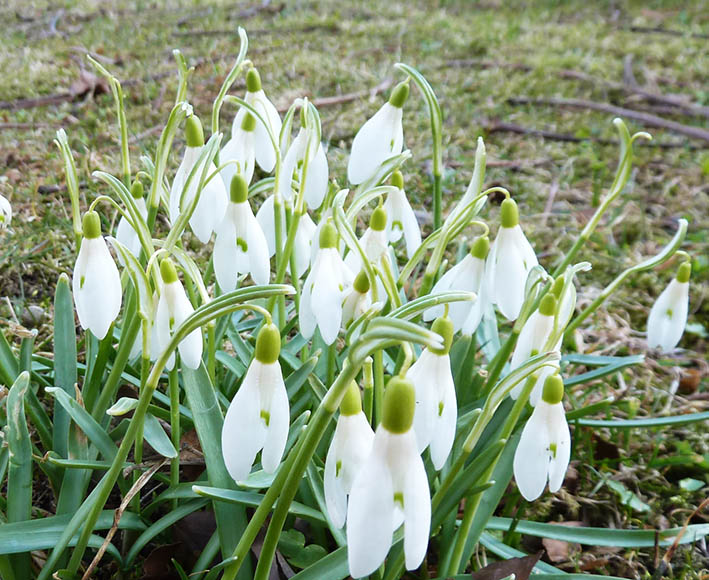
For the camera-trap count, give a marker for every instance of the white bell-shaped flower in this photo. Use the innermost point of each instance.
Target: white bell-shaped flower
(373, 241)
(401, 219)
(391, 487)
(468, 275)
(258, 417)
(172, 310)
(263, 146)
(544, 448)
(668, 316)
(357, 300)
(239, 154)
(5, 213)
(213, 198)
(324, 290)
(532, 339)
(96, 283)
(304, 235)
(380, 138)
(509, 262)
(316, 174)
(436, 404)
(125, 233)
(349, 447)
(240, 246)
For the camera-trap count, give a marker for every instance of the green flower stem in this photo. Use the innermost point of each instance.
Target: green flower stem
(174, 386)
(285, 257)
(277, 213)
(368, 386)
(472, 502)
(437, 219)
(378, 387)
(389, 281)
(72, 184)
(211, 352)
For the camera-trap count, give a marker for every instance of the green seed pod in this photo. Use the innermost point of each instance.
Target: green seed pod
(352, 401)
(361, 282)
(248, 124)
(509, 213)
(684, 272)
(136, 190)
(194, 135)
(238, 189)
(443, 326)
(167, 271)
(399, 95)
(379, 219)
(553, 391)
(547, 307)
(268, 344)
(399, 405)
(328, 236)
(91, 225)
(480, 247)
(397, 179)
(253, 81)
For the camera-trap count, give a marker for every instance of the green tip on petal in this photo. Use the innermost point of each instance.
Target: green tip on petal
(509, 214)
(444, 327)
(352, 401)
(268, 344)
(239, 189)
(253, 81)
(167, 271)
(683, 272)
(328, 236)
(558, 286)
(397, 179)
(399, 405)
(480, 247)
(249, 123)
(553, 391)
(361, 283)
(548, 305)
(91, 225)
(194, 135)
(399, 95)
(379, 219)
(136, 190)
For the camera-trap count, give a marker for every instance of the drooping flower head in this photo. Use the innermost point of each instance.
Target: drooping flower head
(172, 310)
(509, 262)
(357, 300)
(125, 232)
(258, 417)
(240, 246)
(390, 488)
(401, 219)
(436, 405)
(544, 448)
(373, 241)
(239, 154)
(468, 275)
(668, 316)
(380, 138)
(256, 97)
(350, 446)
(5, 213)
(213, 198)
(324, 289)
(305, 158)
(96, 283)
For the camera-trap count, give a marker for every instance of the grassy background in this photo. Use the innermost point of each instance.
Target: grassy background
(477, 56)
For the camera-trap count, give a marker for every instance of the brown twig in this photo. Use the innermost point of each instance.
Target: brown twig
(24, 126)
(327, 26)
(137, 486)
(347, 98)
(667, 31)
(646, 118)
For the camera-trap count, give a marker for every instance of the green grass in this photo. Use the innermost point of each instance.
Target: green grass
(328, 48)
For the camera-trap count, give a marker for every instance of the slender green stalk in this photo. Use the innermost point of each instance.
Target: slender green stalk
(368, 386)
(211, 352)
(437, 219)
(378, 387)
(174, 386)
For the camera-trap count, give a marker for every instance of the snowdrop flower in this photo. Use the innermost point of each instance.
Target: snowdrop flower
(668, 315)
(125, 232)
(391, 487)
(401, 219)
(436, 405)
(532, 340)
(239, 153)
(5, 213)
(510, 260)
(373, 241)
(315, 187)
(324, 289)
(350, 446)
(173, 308)
(240, 246)
(380, 138)
(357, 300)
(96, 283)
(545, 445)
(258, 417)
(303, 236)
(263, 146)
(468, 276)
(213, 199)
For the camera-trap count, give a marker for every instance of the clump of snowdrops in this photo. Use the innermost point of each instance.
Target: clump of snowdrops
(346, 377)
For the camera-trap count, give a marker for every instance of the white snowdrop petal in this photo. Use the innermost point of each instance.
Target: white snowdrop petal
(417, 513)
(445, 417)
(259, 263)
(370, 513)
(225, 268)
(303, 244)
(335, 494)
(279, 417)
(422, 375)
(668, 316)
(190, 347)
(327, 295)
(560, 434)
(306, 317)
(375, 142)
(444, 284)
(316, 179)
(510, 275)
(531, 460)
(266, 219)
(412, 233)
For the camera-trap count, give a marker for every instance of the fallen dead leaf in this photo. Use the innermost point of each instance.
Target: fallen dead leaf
(520, 567)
